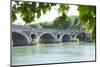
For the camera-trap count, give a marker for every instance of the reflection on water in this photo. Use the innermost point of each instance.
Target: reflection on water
(53, 53)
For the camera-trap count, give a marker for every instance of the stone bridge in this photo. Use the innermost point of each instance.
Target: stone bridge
(25, 35)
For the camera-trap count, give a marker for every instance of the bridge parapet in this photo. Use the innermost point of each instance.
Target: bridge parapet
(21, 27)
(27, 28)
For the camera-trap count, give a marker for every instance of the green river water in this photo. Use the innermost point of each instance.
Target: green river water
(53, 53)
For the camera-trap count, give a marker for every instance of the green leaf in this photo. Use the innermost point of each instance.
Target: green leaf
(38, 14)
(84, 10)
(13, 17)
(63, 8)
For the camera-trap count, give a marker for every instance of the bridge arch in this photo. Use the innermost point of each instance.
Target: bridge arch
(47, 37)
(20, 38)
(66, 37)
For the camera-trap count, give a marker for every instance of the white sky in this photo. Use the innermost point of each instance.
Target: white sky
(50, 16)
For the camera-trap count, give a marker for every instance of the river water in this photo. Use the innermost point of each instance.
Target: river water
(53, 53)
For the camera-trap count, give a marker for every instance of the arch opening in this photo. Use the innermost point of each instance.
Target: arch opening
(58, 36)
(19, 39)
(88, 37)
(66, 38)
(33, 36)
(47, 38)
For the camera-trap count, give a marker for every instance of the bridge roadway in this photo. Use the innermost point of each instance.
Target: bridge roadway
(25, 35)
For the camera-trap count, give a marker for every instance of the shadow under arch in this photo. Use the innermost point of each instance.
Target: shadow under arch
(20, 39)
(33, 35)
(66, 38)
(47, 38)
(58, 35)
